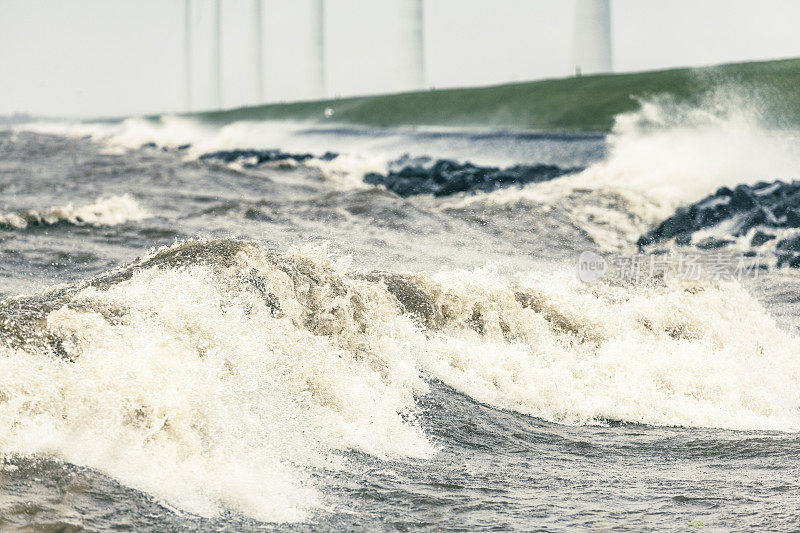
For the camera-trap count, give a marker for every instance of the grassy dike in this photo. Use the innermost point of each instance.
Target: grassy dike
(587, 103)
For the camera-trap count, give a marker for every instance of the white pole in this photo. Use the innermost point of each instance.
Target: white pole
(258, 56)
(216, 55)
(187, 51)
(317, 62)
(592, 38)
(412, 46)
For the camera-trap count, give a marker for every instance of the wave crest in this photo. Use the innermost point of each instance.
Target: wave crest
(110, 211)
(212, 375)
(219, 375)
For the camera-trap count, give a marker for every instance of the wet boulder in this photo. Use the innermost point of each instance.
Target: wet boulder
(760, 237)
(681, 223)
(771, 205)
(755, 210)
(713, 243)
(791, 244)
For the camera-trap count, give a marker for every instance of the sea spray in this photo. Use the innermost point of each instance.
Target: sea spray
(662, 156)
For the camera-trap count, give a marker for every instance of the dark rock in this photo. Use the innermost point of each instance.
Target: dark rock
(712, 243)
(751, 219)
(261, 156)
(742, 198)
(762, 189)
(724, 191)
(681, 222)
(760, 208)
(790, 259)
(789, 244)
(710, 211)
(421, 175)
(793, 217)
(760, 238)
(775, 204)
(788, 252)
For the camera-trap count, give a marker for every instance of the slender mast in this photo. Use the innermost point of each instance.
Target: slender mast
(216, 55)
(412, 45)
(592, 38)
(187, 51)
(317, 63)
(258, 56)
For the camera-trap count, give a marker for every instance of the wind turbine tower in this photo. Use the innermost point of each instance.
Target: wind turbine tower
(592, 38)
(412, 45)
(317, 60)
(187, 51)
(258, 55)
(216, 54)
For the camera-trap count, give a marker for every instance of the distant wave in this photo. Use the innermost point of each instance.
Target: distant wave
(109, 211)
(219, 375)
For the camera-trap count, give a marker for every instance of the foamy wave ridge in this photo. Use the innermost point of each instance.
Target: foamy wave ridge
(664, 353)
(213, 376)
(220, 375)
(110, 211)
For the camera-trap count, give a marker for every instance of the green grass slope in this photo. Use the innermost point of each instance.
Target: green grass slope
(586, 103)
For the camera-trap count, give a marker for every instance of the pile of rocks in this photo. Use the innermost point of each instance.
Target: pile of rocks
(764, 206)
(442, 177)
(254, 158)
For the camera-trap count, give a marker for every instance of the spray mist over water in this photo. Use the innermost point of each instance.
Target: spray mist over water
(678, 153)
(664, 155)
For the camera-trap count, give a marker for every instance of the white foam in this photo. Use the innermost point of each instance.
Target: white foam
(110, 211)
(679, 153)
(699, 355)
(187, 386)
(225, 387)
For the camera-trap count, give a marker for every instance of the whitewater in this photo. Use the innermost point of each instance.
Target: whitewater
(195, 337)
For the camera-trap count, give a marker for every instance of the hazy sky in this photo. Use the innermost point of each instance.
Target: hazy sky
(108, 57)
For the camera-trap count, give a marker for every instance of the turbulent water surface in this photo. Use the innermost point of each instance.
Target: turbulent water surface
(250, 342)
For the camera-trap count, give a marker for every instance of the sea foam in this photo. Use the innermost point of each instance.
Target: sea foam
(110, 211)
(220, 375)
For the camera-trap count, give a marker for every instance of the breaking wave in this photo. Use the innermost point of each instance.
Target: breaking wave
(219, 375)
(660, 157)
(110, 211)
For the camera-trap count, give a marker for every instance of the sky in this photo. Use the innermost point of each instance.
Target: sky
(91, 58)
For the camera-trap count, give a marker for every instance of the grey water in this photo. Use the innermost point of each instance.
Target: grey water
(494, 468)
